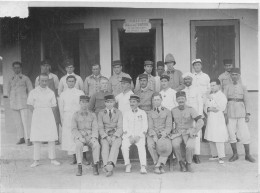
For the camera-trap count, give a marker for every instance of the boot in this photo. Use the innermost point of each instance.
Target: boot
(248, 157)
(74, 159)
(182, 166)
(196, 159)
(235, 155)
(79, 173)
(21, 141)
(188, 167)
(95, 169)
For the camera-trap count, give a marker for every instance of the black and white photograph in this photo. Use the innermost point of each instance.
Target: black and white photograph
(129, 96)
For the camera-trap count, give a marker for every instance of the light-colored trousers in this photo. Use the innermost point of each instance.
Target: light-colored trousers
(22, 120)
(141, 150)
(237, 128)
(37, 150)
(152, 149)
(109, 151)
(217, 149)
(189, 147)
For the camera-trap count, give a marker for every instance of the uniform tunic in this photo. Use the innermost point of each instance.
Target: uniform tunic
(43, 127)
(68, 105)
(150, 85)
(145, 98)
(114, 84)
(63, 84)
(110, 127)
(225, 79)
(216, 129)
(97, 101)
(168, 98)
(123, 101)
(176, 80)
(92, 84)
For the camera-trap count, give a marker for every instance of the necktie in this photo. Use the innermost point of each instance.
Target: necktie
(158, 110)
(110, 114)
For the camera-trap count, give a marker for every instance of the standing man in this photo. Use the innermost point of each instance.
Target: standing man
(123, 98)
(176, 81)
(135, 126)
(68, 105)
(53, 84)
(148, 68)
(159, 126)
(225, 77)
(69, 66)
(19, 87)
(167, 93)
(114, 84)
(193, 99)
(237, 114)
(160, 71)
(92, 82)
(97, 100)
(145, 93)
(42, 101)
(85, 133)
(185, 131)
(110, 122)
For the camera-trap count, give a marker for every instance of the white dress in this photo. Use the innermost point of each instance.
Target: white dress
(43, 127)
(216, 130)
(68, 105)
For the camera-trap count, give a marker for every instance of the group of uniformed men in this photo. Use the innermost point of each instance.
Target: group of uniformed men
(162, 112)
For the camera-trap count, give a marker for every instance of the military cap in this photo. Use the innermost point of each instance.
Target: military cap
(134, 97)
(141, 76)
(109, 97)
(84, 97)
(169, 58)
(196, 61)
(164, 147)
(164, 76)
(180, 94)
(148, 62)
(227, 61)
(126, 79)
(188, 74)
(116, 62)
(160, 63)
(68, 62)
(235, 70)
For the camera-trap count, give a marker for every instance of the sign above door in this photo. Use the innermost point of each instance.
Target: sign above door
(137, 26)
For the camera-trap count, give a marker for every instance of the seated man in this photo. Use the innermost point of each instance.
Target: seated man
(159, 126)
(110, 122)
(135, 127)
(184, 131)
(85, 132)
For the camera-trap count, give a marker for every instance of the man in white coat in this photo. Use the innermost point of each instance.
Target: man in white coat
(68, 105)
(194, 100)
(42, 102)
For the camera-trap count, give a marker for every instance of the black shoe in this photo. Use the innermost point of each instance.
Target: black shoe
(29, 143)
(188, 167)
(182, 166)
(21, 141)
(95, 169)
(79, 172)
(233, 158)
(74, 160)
(196, 159)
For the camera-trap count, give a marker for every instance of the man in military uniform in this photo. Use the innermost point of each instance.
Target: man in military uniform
(184, 130)
(92, 82)
(237, 115)
(19, 87)
(110, 122)
(114, 84)
(225, 77)
(85, 133)
(176, 80)
(159, 126)
(145, 93)
(148, 68)
(160, 70)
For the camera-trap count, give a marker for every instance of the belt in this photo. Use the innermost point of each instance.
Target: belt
(236, 100)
